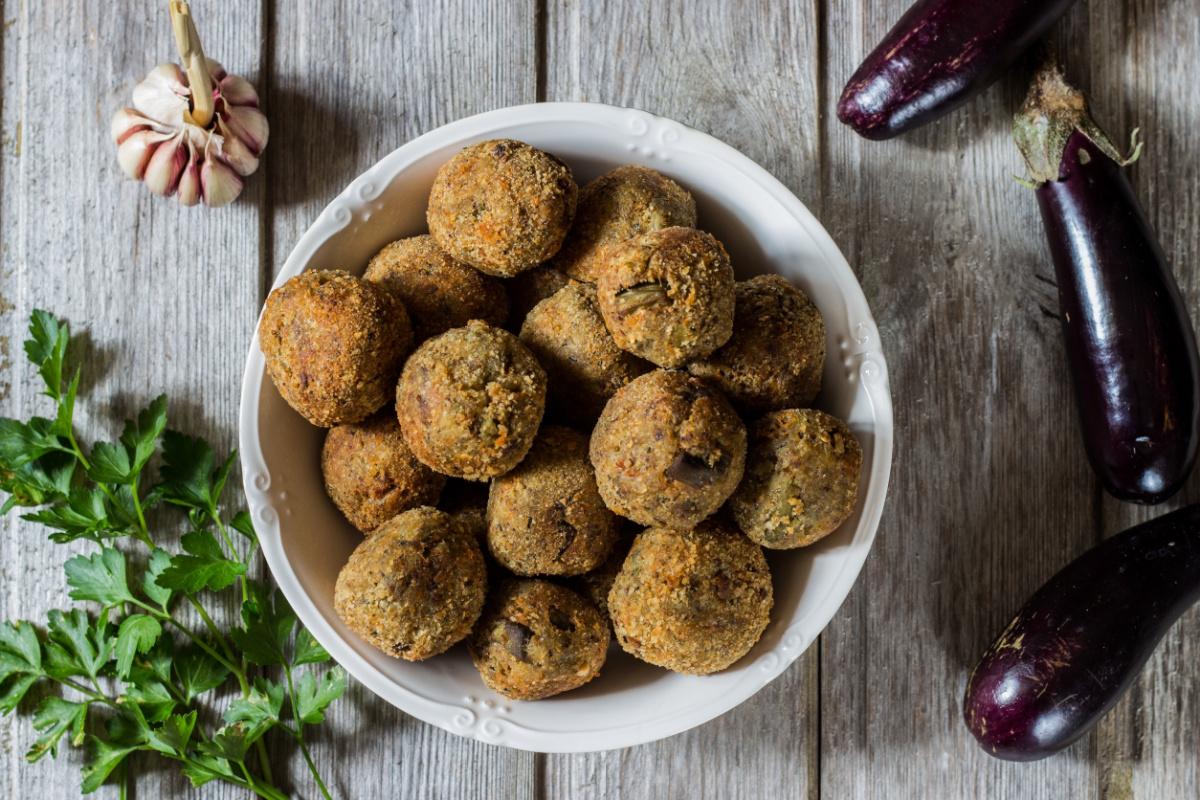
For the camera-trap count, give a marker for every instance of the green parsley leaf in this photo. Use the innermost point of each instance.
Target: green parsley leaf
(20, 650)
(308, 650)
(83, 516)
(242, 523)
(22, 442)
(259, 712)
(229, 743)
(158, 562)
(103, 757)
(128, 725)
(121, 512)
(187, 474)
(100, 578)
(140, 436)
(58, 662)
(53, 718)
(205, 566)
(12, 691)
(77, 644)
(64, 419)
(313, 696)
(154, 666)
(40, 481)
(152, 699)
(268, 622)
(20, 662)
(46, 348)
(122, 462)
(202, 769)
(173, 735)
(137, 634)
(110, 464)
(198, 672)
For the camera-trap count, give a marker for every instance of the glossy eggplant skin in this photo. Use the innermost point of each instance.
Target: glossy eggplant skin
(1081, 639)
(938, 56)
(1129, 340)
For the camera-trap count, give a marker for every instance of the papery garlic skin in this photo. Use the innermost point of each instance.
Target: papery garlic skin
(159, 144)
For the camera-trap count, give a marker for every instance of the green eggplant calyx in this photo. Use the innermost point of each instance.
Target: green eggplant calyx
(1053, 111)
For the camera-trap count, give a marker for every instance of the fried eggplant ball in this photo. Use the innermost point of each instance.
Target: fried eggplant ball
(693, 601)
(546, 516)
(776, 355)
(414, 587)
(801, 483)
(333, 345)
(537, 639)
(617, 206)
(667, 295)
(584, 365)
(502, 206)
(371, 475)
(530, 288)
(439, 292)
(470, 401)
(668, 450)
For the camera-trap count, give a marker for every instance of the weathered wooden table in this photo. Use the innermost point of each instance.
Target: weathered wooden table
(990, 491)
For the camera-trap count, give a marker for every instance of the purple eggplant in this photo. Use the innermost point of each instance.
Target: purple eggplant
(1130, 344)
(938, 56)
(1079, 642)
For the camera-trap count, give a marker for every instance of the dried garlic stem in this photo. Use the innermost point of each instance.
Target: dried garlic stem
(191, 54)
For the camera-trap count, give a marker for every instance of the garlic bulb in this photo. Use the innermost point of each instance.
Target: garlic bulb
(195, 133)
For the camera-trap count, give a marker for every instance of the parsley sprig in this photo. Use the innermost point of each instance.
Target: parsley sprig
(133, 671)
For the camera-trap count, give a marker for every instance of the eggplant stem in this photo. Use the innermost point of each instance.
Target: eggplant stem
(1136, 146)
(1052, 112)
(191, 56)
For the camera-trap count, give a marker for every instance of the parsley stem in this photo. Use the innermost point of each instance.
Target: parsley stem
(312, 767)
(264, 763)
(219, 637)
(75, 448)
(123, 780)
(216, 518)
(196, 640)
(137, 506)
(299, 733)
(252, 784)
(237, 671)
(233, 780)
(177, 693)
(86, 692)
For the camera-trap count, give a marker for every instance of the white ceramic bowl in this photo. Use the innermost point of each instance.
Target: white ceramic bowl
(765, 228)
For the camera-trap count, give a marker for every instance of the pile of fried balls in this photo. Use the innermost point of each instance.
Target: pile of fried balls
(558, 418)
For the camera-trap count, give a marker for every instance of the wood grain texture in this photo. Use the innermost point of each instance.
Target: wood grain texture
(354, 81)
(991, 493)
(746, 73)
(162, 297)
(166, 298)
(1147, 745)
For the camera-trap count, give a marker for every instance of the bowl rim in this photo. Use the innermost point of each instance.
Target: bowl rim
(256, 480)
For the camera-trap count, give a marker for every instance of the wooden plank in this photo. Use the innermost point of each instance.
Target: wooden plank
(163, 298)
(991, 493)
(1147, 745)
(355, 80)
(746, 73)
